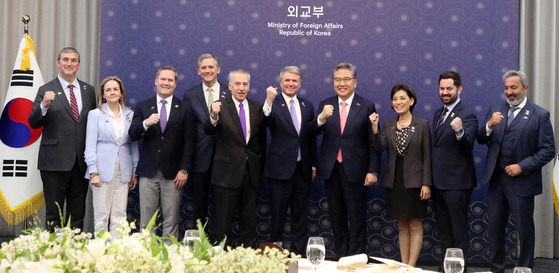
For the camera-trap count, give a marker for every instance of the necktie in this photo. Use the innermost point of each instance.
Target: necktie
(74, 102)
(210, 99)
(510, 118)
(243, 120)
(163, 116)
(343, 119)
(441, 120)
(293, 113)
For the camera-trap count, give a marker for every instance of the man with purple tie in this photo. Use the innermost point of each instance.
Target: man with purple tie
(239, 159)
(291, 157)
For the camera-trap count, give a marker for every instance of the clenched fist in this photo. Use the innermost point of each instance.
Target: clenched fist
(327, 112)
(48, 98)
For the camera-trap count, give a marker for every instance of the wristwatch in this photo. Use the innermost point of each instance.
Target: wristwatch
(459, 132)
(184, 171)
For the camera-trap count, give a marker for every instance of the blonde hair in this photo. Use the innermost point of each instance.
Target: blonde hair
(101, 100)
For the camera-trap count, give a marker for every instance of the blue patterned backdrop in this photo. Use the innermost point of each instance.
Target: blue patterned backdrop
(390, 41)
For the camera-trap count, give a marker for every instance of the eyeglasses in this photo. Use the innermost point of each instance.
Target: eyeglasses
(346, 79)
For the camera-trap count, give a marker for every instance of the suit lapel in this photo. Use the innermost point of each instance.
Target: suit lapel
(108, 123)
(201, 97)
(127, 115)
(412, 131)
(521, 119)
(354, 111)
(85, 100)
(284, 112)
(153, 110)
(234, 115)
(59, 90)
(175, 108)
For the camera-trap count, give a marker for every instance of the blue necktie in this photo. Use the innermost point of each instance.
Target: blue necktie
(510, 118)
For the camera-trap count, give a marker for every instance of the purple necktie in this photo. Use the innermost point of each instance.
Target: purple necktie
(163, 116)
(243, 120)
(295, 123)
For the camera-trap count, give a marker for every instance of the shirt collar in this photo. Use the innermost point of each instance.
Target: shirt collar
(522, 104)
(168, 99)
(451, 107)
(348, 101)
(288, 98)
(238, 102)
(215, 87)
(65, 84)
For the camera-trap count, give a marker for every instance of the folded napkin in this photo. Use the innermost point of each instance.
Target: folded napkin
(355, 261)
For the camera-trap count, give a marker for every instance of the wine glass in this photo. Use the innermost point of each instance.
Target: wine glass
(190, 237)
(316, 251)
(522, 270)
(454, 260)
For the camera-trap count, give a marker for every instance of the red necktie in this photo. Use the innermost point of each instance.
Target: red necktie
(74, 103)
(343, 119)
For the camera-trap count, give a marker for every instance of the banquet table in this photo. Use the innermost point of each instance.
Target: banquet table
(331, 267)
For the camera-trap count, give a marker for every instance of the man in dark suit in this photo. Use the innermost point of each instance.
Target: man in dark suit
(519, 138)
(454, 176)
(199, 98)
(347, 160)
(164, 124)
(239, 159)
(291, 157)
(61, 107)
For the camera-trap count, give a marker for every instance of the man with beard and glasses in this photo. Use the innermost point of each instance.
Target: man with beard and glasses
(454, 176)
(519, 138)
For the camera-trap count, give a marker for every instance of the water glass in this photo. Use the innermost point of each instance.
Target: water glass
(316, 251)
(454, 260)
(190, 237)
(522, 270)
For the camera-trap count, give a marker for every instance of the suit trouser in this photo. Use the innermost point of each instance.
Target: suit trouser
(59, 187)
(347, 205)
(200, 189)
(155, 190)
(109, 203)
(227, 201)
(291, 193)
(451, 216)
(502, 198)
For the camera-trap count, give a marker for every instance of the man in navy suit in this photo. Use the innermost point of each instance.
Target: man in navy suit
(163, 122)
(519, 138)
(239, 159)
(454, 176)
(199, 98)
(347, 160)
(291, 157)
(61, 107)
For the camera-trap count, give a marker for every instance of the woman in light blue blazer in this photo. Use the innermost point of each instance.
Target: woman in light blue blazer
(111, 156)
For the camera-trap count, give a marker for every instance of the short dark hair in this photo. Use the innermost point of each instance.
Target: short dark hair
(411, 94)
(167, 67)
(452, 75)
(68, 49)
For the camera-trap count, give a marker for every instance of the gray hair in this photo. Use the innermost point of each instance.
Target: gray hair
(520, 74)
(347, 66)
(291, 69)
(68, 49)
(208, 56)
(238, 71)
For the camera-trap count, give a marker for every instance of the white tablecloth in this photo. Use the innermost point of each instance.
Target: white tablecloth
(331, 267)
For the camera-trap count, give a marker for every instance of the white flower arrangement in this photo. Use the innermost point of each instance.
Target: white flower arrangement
(70, 250)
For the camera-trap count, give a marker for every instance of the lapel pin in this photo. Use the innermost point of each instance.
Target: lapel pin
(527, 112)
(358, 104)
(283, 105)
(128, 119)
(153, 107)
(413, 129)
(59, 93)
(303, 103)
(452, 114)
(176, 106)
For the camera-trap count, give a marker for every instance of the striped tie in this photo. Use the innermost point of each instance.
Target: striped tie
(441, 120)
(74, 103)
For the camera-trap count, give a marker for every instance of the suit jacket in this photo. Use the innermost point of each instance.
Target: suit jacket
(169, 151)
(453, 160)
(417, 155)
(204, 143)
(533, 148)
(358, 154)
(281, 161)
(102, 147)
(232, 153)
(63, 139)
